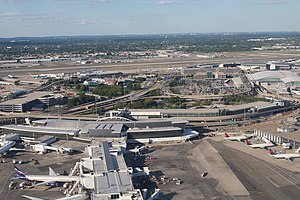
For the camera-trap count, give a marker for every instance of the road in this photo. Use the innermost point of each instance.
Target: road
(111, 102)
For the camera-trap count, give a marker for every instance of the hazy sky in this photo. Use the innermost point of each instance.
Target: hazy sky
(105, 17)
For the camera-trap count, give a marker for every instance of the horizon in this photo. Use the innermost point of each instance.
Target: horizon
(33, 18)
(161, 34)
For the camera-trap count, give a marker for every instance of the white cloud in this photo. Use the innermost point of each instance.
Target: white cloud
(86, 21)
(32, 18)
(166, 2)
(12, 1)
(276, 1)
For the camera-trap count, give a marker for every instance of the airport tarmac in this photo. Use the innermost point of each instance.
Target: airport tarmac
(232, 173)
(262, 178)
(183, 162)
(59, 163)
(264, 154)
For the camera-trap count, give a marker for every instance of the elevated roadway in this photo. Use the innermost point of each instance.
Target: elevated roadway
(198, 121)
(111, 102)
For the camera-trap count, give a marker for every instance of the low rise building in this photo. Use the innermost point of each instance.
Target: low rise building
(23, 103)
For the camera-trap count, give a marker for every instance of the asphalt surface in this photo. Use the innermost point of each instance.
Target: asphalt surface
(176, 161)
(263, 180)
(59, 163)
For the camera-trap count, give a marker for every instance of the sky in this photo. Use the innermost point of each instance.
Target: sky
(119, 17)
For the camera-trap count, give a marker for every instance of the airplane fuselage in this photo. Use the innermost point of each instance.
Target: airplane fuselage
(236, 138)
(6, 146)
(261, 145)
(45, 178)
(287, 156)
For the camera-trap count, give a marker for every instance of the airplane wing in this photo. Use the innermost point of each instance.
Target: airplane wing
(261, 145)
(51, 148)
(38, 184)
(32, 198)
(76, 148)
(17, 149)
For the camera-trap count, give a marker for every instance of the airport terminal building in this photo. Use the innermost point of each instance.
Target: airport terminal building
(131, 130)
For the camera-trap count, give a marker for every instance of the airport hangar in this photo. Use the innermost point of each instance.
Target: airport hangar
(133, 131)
(279, 79)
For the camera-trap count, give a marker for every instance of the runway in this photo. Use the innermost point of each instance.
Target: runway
(262, 179)
(242, 57)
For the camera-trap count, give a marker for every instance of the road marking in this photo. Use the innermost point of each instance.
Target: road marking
(5, 182)
(272, 181)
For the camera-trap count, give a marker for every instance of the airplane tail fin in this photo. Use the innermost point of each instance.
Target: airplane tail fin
(226, 135)
(266, 140)
(19, 172)
(142, 148)
(271, 152)
(32, 198)
(52, 172)
(247, 142)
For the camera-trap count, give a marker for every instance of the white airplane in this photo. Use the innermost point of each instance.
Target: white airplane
(6, 146)
(11, 76)
(43, 148)
(155, 195)
(267, 143)
(287, 156)
(43, 76)
(137, 149)
(236, 138)
(53, 178)
(135, 172)
(73, 197)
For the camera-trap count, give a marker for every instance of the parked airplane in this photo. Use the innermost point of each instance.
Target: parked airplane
(43, 76)
(53, 178)
(287, 156)
(137, 149)
(236, 138)
(73, 197)
(6, 146)
(43, 148)
(267, 143)
(155, 195)
(135, 172)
